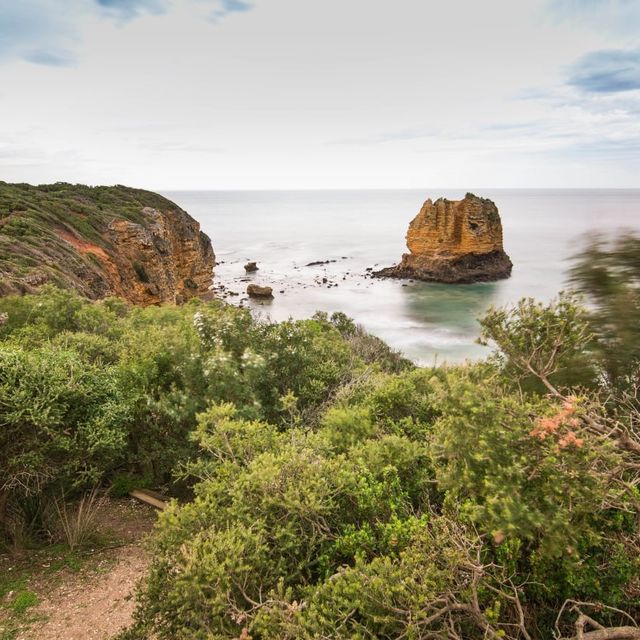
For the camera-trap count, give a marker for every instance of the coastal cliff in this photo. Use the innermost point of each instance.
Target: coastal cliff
(454, 241)
(101, 241)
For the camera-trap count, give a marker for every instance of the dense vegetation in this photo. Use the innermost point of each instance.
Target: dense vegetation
(94, 391)
(338, 491)
(32, 219)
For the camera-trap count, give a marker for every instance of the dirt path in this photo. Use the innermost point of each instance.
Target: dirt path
(96, 600)
(92, 607)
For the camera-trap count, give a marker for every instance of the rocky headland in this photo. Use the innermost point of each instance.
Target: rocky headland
(101, 241)
(454, 241)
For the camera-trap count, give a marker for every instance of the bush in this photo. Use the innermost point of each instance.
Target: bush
(608, 274)
(336, 491)
(97, 389)
(272, 511)
(466, 502)
(124, 483)
(63, 422)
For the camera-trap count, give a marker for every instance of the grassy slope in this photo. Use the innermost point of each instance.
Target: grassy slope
(32, 218)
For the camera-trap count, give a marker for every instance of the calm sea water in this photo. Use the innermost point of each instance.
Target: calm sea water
(285, 230)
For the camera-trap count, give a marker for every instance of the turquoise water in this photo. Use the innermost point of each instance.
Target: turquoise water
(285, 230)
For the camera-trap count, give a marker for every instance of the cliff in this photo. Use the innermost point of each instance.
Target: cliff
(454, 241)
(101, 241)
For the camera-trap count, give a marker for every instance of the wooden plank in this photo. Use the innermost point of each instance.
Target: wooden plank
(149, 497)
(153, 494)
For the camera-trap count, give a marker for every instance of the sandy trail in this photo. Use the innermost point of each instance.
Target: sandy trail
(98, 600)
(95, 606)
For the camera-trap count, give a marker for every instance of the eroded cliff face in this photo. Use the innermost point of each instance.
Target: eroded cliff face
(454, 241)
(104, 241)
(167, 259)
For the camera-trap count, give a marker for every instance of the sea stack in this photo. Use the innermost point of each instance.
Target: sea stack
(454, 241)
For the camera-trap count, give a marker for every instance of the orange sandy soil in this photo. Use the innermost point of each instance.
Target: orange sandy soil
(83, 246)
(95, 600)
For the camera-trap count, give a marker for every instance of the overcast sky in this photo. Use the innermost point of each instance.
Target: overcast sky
(244, 94)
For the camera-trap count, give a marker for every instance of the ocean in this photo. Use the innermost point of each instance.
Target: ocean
(283, 231)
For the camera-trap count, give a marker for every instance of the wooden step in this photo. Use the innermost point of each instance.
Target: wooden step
(147, 496)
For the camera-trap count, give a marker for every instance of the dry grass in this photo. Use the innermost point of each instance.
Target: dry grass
(76, 523)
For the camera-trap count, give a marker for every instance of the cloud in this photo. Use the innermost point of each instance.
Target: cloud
(608, 71)
(236, 5)
(34, 31)
(46, 32)
(402, 135)
(169, 147)
(231, 6)
(617, 16)
(129, 9)
(593, 127)
(51, 58)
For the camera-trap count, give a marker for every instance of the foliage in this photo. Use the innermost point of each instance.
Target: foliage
(24, 600)
(63, 420)
(527, 473)
(277, 510)
(92, 390)
(608, 273)
(541, 343)
(455, 502)
(392, 518)
(336, 490)
(122, 484)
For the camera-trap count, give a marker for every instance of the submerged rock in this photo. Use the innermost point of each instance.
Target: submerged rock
(319, 262)
(256, 291)
(454, 241)
(250, 267)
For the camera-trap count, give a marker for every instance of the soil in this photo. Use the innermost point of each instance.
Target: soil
(96, 601)
(92, 605)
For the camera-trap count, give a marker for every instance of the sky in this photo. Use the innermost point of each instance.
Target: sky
(295, 94)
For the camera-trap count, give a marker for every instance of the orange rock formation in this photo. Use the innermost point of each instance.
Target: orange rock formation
(454, 241)
(166, 260)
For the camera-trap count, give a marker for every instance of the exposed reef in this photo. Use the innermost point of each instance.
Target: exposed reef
(454, 241)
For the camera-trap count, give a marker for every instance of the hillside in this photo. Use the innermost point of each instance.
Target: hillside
(101, 241)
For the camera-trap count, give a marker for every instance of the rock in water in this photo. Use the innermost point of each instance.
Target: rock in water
(454, 241)
(250, 267)
(256, 291)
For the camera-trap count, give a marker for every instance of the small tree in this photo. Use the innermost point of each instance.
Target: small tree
(541, 341)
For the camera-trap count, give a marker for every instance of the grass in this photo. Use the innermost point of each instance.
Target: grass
(23, 601)
(15, 602)
(77, 523)
(32, 218)
(22, 577)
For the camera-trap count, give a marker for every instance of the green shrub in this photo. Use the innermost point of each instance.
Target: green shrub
(334, 491)
(63, 422)
(275, 510)
(160, 366)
